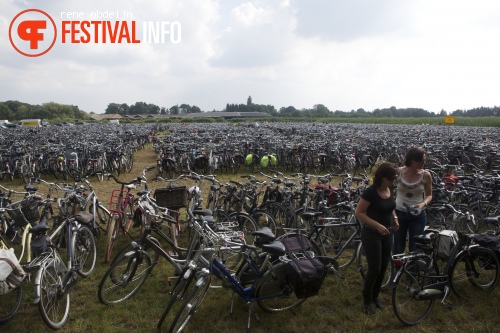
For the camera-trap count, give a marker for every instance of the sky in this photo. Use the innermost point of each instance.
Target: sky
(346, 55)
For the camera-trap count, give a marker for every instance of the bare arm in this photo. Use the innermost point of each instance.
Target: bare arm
(427, 191)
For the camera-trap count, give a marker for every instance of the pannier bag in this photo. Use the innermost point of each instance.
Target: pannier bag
(40, 244)
(249, 159)
(447, 240)
(488, 241)
(305, 273)
(11, 272)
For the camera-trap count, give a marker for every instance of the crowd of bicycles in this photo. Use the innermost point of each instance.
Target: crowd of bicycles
(257, 232)
(65, 152)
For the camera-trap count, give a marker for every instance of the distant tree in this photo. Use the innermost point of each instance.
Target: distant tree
(195, 109)
(249, 100)
(113, 108)
(443, 113)
(5, 112)
(174, 110)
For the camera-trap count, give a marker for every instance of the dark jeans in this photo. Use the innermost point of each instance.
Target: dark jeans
(378, 255)
(408, 226)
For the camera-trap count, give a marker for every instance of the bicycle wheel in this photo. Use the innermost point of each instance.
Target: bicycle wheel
(264, 219)
(275, 292)
(124, 278)
(25, 174)
(408, 284)
(280, 215)
(111, 234)
(190, 305)
(338, 242)
(53, 305)
(362, 266)
(102, 216)
(84, 251)
(474, 273)
(128, 217)
(9, 303)
(244, 223)
(178, 293)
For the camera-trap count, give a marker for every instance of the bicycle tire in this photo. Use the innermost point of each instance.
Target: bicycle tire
(111, 233)
(9, 303)
(474, 273)
(176, 295)
(84, 251)
(244, 223)
(155, 256)
(128, 216)
(362, 267)
(53, 307)
(264, 219)
(407, 308)
(102, 216)
(25, 174)
(274, 292)
(280, 215)
(124, 278)
(190, 304)
(332, 240)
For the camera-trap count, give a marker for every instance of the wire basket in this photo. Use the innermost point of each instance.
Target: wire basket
(171, 197)
(118, 201)
(26, 212)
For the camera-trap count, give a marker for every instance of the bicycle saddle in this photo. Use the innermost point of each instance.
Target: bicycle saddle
(274, 248)
(265, 235)
(40, 227)
(492, 220)
(202, 212)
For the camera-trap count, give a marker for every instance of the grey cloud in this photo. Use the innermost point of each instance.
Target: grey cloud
(342, 21)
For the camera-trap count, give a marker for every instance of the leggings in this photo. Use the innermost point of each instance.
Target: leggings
(378, 255)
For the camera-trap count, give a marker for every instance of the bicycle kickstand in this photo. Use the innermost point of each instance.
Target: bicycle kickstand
(444, 301)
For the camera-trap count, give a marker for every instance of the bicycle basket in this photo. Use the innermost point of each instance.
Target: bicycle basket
(171, 197)
(117, 203)
(26, 212)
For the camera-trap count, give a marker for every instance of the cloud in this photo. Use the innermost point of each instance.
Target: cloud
(343, 54)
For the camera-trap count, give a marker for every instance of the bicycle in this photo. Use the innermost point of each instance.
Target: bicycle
(135, 261)
(121, 210)
(469, 271)
(262, 278)
(53, 277)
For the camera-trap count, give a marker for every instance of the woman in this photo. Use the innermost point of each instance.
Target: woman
(375, 210)
(414, 193)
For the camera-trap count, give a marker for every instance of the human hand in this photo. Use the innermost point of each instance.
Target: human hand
(395, 225)
(383, 231)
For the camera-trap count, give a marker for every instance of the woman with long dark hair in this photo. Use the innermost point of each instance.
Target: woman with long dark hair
(375, 210)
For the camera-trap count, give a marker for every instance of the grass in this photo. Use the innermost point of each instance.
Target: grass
(338, 307)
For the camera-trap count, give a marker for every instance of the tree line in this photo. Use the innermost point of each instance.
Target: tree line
(317, 111)
(15, 110)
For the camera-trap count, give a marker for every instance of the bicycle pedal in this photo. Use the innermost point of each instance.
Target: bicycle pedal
(448, 304)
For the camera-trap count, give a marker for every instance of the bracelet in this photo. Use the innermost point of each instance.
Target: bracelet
(394, 217)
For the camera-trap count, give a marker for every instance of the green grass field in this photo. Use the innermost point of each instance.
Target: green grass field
(338, 307)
